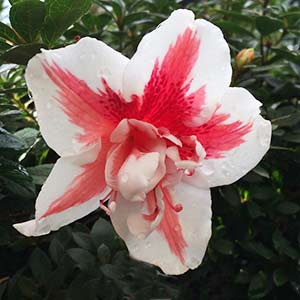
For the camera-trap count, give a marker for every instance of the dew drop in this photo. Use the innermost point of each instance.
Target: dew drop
(263, 136)
(225, 170)
(82, 56)
(48, 105)
(192, 262)
(106, 71)
(141, 236)
(124, 178)
(74, 141)
(178, 207)
(177, 228)
(207, 170)
(148, 245)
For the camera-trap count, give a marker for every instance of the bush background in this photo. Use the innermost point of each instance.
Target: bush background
(254, 251)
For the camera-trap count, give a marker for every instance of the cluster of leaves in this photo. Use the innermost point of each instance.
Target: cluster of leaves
(254, 252)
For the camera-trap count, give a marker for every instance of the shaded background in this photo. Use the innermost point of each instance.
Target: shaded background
(254, 250)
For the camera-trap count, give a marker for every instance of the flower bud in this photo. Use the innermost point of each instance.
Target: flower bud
(244, 57)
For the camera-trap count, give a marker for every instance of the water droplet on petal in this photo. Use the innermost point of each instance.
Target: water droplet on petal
(82, 56)
(124, 178)
(225, 170)
(192, 262)
(74, 141)
(106, 71)
(48, 105)
(177, 228)
(141, 236)
(135, 248)
(148, 245)
(178, 207)
(263, 135)
(207, 170)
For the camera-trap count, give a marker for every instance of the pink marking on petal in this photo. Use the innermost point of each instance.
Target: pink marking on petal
(85, 186)
(165, 96)
(217, 137)
(170, 226)
(97, 113)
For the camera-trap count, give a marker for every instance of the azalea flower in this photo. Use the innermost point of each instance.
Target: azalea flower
(145, 138)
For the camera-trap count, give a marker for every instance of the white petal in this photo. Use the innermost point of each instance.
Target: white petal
(212, 68)
(58, 182)
(241, 105)
(136, 175)
(195, 220)
(89, 60)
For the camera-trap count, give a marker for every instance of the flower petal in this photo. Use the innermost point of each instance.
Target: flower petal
(135, 164)
(72, 190)
(184, 74)
(241, 147)
(136, 175)
(70, 87)
(193, 226)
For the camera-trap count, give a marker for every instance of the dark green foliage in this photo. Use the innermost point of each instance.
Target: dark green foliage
(254, 251)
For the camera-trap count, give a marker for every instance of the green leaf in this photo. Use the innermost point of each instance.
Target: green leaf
(56, 250)
(83, 258)
(254, 210)
(83, 240)
(40, 265)
(280, 277)
(266, 25)
(27, 286)
(223, 246)
(9, 34)
(27, 135)
(9, 141)
(243, 277)
(261, 172)
(294, 138)
(282, 245)
(232, 27)
(103, 254)
(258, 286)
(60, 15)
(102, 232)
(21, 54)
(40, 173)
(4, 45)
(288, 207)
(231, 195)
(27, 18)
(235, 16)
(258, 248)
(2, 289)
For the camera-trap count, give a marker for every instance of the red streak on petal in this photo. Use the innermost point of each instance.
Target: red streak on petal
(165, 96)
(170, 226)
(85, 186)
(217, 137)
(152, 206)
(96, 112)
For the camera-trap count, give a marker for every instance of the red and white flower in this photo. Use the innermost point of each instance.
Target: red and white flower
(145, 138)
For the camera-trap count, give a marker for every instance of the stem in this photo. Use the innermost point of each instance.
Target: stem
(282, 148)
(262, 52)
